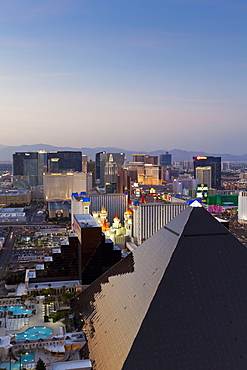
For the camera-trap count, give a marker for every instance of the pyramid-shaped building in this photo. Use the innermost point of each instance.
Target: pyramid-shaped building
(179, 301)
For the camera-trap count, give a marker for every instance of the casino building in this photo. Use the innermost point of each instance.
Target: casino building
(215, 164)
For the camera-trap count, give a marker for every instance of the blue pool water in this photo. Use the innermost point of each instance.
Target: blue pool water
(25, 358)
(17, 310)
(33, 333)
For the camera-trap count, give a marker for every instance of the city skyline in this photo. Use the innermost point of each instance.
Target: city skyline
(139, 74)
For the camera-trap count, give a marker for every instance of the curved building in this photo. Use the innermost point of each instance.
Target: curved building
(242, 207)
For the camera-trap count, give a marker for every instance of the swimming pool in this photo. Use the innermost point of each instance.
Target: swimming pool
(17, 310)
(25, 358)
(36, 332)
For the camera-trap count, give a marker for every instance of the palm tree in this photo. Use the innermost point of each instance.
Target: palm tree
(20, 353)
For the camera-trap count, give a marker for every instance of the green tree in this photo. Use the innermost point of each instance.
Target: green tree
(40, 365)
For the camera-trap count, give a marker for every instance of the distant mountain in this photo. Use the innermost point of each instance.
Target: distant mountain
(6, 152)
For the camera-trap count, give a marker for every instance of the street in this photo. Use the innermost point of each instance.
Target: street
(6, 252)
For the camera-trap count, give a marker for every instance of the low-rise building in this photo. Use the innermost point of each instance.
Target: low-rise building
(14, 196)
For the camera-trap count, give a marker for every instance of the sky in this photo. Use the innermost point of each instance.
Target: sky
(138, 75)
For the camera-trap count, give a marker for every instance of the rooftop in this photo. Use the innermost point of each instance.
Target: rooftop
(63, 205)
(54, 284)
(14, 192)
(11, 210)
(80, 364)
(86, 220)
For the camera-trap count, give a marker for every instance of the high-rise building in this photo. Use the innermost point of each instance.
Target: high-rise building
(96, 255)
(215, 164)
(204, 175)
(242, 207)
(144, 158)
(111, 174)
(177, 302)
(28, 167)
(84, 162)
(139, 158)
(114, 203)
(225, 166)
(25, 169)
(62, 185)
(64, 161)
(100, 160)
(80, 204)
(181, 184)
(85, 255)
(165, 159)
(91, 168)
(148, 218)
(144, 173)
(123, 180)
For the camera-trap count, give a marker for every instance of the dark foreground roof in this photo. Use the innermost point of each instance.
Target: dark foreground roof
(178, 302)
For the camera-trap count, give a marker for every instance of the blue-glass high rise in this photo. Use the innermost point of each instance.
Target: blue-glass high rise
(28, 167)
(165, 159)
(215, 164)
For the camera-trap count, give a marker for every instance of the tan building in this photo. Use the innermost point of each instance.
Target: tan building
(147, 174)
(84, 162)
(204, 175)
(14, 196)
(62, 185)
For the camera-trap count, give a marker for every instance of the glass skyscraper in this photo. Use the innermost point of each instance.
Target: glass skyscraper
(215, 164)
(28, 167)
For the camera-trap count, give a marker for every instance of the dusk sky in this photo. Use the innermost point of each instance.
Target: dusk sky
(139, 74)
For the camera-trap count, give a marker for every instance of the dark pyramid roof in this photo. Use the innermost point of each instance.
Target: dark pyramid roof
(179, 302)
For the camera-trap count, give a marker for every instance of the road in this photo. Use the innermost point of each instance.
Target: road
(34, 220)
(6, 252)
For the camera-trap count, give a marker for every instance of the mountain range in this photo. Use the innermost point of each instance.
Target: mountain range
(6, 152)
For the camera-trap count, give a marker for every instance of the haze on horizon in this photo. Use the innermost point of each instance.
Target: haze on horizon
(140, 74)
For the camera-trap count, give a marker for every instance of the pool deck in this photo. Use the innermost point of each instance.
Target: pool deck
(38, 320)
(35, 320)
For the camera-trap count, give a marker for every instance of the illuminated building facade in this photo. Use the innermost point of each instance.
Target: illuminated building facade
(96, 254)
(215, 164)
(101, 159)
(242, 207)
(204, 175)
(145, 174)
(111, 175)
(61, 185)
(144, 158)
(84, 162)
